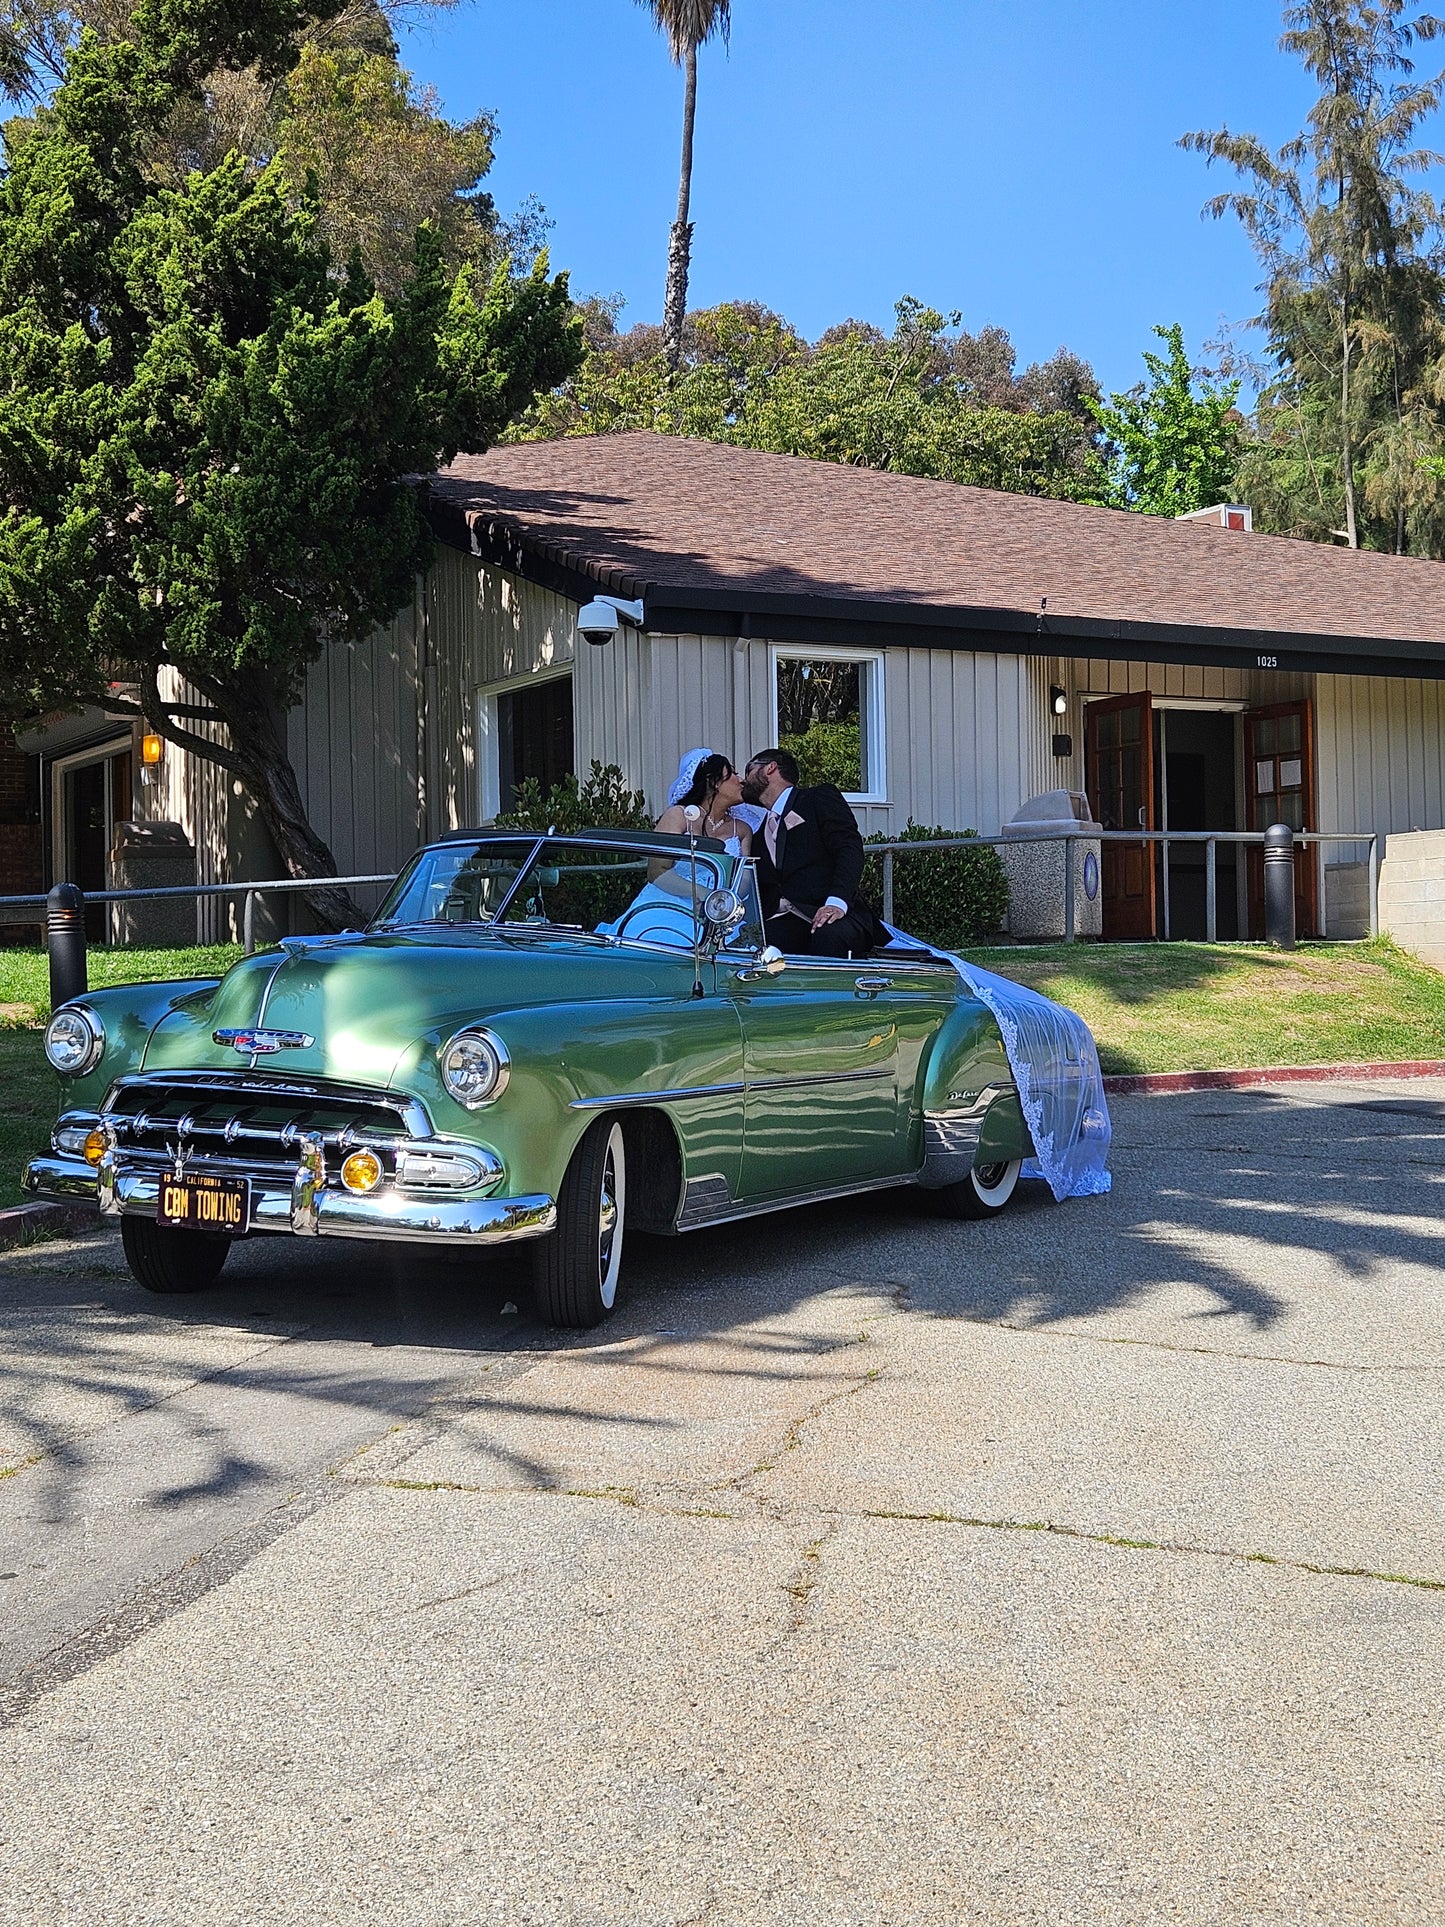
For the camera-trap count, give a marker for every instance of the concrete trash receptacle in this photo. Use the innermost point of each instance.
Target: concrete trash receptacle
(1033, 861)
(153, 856)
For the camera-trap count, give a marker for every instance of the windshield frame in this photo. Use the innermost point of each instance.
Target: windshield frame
(529, 845)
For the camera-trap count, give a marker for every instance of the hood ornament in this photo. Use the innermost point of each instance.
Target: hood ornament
(263, 1043)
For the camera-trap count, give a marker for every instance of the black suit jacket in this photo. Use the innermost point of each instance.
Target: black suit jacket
(820, 857)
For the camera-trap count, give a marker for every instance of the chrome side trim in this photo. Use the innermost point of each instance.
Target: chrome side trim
(827, 1077)
(732, 1211)
(624, 1099)
(950, 1138)
(704, 1200)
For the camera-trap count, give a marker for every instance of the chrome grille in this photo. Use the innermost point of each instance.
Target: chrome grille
(252, 1123)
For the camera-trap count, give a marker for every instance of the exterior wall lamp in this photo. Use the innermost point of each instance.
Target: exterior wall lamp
(1059, 706)
(152, 748)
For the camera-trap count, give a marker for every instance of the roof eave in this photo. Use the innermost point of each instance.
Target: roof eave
(784, 617)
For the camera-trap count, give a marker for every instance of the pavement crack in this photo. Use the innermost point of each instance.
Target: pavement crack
(1187, 1351)
(1054, 1529)
(800, 1586)
(792, 1437)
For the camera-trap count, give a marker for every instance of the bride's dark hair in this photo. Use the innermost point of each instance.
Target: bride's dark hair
(711, 771)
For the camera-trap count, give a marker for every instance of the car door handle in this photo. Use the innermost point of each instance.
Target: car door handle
(870, 986)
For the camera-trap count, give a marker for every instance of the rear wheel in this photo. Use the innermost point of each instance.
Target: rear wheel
(164, 1259)
(578, 1265)
(983, 1193)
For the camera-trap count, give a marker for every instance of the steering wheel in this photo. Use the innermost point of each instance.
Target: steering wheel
(633, 910)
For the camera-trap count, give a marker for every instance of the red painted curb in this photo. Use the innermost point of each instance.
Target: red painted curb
(22, 1218)
(1156, 1083)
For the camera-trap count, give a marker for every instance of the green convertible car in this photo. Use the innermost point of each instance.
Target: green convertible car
(558, 1038)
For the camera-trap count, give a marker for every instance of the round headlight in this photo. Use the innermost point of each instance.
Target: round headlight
(74, 1040)
(475, 1067)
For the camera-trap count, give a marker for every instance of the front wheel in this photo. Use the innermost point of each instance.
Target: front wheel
(576, 1268)
(164, 1259)
(983, 1193)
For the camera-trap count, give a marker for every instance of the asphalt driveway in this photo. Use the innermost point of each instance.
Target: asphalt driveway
(1088, 1566)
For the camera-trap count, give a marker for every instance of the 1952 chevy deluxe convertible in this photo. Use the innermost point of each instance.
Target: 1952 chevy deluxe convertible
(544, 1037)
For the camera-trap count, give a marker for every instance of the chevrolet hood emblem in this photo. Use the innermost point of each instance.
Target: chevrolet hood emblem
(264, 1042)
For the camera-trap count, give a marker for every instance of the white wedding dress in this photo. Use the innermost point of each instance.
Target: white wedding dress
(661, 912)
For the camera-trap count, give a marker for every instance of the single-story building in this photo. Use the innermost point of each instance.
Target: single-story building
(945, 652)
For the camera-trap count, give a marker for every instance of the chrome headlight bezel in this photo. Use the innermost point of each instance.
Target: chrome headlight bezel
(80, 1023)
(483, 1047)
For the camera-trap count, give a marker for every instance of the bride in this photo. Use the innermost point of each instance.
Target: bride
(661, 912)
(709, 780)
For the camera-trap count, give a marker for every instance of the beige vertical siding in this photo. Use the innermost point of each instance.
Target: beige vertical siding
(385, 740)
(1381, 753)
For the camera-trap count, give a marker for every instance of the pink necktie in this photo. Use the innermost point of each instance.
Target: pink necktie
(770, 835)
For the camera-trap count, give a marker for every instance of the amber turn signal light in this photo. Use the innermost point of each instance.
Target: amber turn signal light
(94, 1146)
(361, 1171)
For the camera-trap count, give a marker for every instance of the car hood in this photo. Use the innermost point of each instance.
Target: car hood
(361, 1002)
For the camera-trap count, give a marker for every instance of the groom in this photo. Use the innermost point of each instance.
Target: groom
(810, 862)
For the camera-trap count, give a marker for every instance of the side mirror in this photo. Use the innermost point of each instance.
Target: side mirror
(769, 962)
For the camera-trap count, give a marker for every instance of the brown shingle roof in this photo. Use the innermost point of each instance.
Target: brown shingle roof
(696, 525)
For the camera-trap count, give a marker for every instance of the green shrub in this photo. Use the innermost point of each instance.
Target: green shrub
(947, 897)
(603, 802)
(829, 753)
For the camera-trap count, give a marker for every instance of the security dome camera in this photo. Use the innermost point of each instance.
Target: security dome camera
(599, 623)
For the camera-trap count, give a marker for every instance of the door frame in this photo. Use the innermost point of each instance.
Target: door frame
(1112, 855)
(1306, 856)
(60, 826)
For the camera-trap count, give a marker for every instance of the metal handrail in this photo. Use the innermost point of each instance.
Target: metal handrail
(251, 891)
(1211, 839)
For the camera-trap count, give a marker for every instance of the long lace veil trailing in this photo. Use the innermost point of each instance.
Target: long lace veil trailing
(1055, 1064)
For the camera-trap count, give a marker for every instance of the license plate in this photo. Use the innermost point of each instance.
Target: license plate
(202, 1203)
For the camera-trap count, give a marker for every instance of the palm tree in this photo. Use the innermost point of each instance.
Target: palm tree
(687, 24)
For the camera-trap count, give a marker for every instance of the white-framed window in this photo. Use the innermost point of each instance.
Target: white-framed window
(524, 728)
(828, 710)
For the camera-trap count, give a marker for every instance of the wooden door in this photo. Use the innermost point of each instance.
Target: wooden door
(1119, 776)
(1279, 776)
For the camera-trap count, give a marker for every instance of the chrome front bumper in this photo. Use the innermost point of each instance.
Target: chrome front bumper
(306, 1210)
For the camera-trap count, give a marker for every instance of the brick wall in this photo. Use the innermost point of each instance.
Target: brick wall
(22, 860)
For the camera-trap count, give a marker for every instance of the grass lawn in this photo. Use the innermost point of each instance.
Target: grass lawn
(1194, 1006)
(29, 1089)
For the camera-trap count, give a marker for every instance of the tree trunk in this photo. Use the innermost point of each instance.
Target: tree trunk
(679, 246)
(259, 740)
(1347, 450)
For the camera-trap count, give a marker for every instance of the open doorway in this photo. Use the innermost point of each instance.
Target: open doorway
(91, 793)
(1196, 762)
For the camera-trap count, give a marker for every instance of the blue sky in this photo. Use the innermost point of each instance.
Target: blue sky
(1014, 159)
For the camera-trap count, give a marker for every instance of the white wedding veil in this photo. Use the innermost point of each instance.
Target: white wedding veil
(686, 770)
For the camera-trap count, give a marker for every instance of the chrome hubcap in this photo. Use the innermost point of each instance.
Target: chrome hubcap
(607, 1214)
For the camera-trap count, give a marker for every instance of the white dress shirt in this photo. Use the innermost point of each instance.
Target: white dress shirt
(779, 810)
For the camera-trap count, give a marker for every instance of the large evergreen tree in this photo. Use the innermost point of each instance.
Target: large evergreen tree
(205, 429)
(1354, 300)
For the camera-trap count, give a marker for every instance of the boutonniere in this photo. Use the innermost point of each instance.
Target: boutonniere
(792, 821)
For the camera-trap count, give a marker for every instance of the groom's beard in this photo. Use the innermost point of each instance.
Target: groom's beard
(753, 790)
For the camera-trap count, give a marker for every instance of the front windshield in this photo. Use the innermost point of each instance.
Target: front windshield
(629, 894)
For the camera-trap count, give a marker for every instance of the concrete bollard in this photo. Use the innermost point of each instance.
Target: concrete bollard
(1279, 886)
(65, 940)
